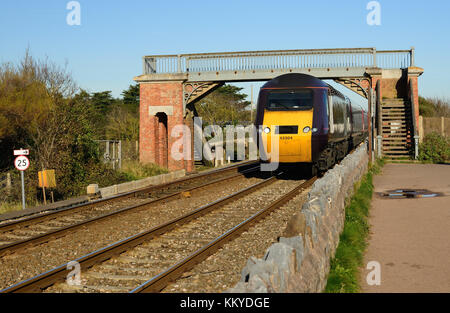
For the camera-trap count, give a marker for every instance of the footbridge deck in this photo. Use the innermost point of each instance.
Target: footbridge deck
(265, 65)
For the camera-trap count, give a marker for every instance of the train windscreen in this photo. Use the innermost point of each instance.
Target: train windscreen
(280, 100)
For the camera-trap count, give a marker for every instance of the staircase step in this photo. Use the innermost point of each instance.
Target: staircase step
(393, 99)
(405, 152)
(394, 143)
(394, 108)
(395, 148)
(399, 157)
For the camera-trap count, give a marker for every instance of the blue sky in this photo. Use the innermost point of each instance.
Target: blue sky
(104, 52)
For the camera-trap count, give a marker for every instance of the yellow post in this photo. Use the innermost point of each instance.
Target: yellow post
(43, 186)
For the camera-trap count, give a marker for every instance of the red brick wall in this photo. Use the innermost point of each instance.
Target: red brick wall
(152, 133)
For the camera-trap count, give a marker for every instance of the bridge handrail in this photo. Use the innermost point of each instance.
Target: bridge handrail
(275, 59)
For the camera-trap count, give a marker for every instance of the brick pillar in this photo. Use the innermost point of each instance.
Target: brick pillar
(189, 122)
(413, 79)
(159, 100)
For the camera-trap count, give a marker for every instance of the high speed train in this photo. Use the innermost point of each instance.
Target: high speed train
(315, 124)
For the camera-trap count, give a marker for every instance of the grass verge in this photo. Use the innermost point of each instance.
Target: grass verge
(344, 271)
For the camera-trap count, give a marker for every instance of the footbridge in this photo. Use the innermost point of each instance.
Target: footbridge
(171, 84)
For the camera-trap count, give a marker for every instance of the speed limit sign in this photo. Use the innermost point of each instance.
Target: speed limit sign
(21, 163)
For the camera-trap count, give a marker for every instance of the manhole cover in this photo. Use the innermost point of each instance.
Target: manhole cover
(408, 193)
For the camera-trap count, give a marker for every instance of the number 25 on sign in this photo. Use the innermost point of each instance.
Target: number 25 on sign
(21, 163)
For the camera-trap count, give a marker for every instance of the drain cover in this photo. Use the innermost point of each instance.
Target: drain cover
(408, 193)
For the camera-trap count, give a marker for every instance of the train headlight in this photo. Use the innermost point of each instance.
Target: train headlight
(266, 130)
(306, 129)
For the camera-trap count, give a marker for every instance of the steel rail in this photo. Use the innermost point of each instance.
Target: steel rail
(60, 232)
(85, 206)
(160, 281)
(59, 274)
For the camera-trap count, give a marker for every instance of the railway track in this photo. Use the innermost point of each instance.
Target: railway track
(148, 261)
(55, 224)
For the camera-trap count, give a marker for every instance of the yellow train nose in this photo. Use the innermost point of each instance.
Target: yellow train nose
(292, 131)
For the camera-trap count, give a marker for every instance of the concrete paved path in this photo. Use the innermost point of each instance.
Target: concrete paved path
(410, 238)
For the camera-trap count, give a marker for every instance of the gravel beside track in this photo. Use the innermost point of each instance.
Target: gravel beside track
(24, 264)
(222, 270)
(132, 268)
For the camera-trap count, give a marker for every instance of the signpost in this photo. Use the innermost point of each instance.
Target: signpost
(22, 163)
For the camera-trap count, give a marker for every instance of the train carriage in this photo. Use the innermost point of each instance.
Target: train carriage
(313, 123)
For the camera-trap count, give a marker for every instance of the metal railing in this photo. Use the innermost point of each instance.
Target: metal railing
(278, 59)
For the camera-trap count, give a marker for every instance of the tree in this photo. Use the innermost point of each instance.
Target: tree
(226, 105)
(434, 107)
(39, 110)
(131, 98)
(30, 94)
(122, 124)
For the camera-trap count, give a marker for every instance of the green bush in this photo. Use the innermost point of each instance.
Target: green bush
(135, 170)
(434, 149)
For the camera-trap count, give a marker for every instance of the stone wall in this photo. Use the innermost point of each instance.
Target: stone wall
(300, 261)
(141, 183)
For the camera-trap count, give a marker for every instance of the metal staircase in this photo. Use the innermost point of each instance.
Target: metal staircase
(397, 128)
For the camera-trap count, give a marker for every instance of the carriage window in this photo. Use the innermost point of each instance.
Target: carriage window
(290, 100)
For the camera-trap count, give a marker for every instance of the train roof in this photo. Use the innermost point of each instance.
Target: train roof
(293, 80)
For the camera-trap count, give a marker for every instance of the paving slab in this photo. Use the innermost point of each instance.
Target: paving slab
(410, 237)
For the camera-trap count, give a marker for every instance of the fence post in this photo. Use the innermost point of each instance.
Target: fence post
(114, 158)
(106, 155)
(442, 126)
(120, 154)
(178, 63)
(421, 134)
(8, 183)
(374, 52)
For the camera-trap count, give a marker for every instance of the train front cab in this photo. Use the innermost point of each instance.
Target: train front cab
(297, 118)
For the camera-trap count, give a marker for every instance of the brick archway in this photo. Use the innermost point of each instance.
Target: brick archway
(161, 143)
